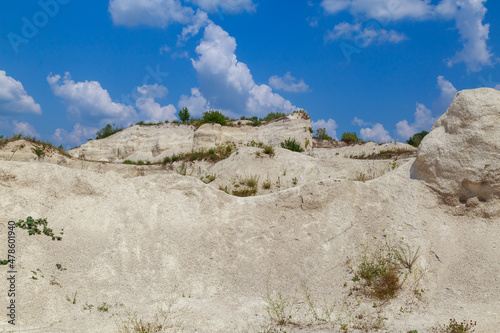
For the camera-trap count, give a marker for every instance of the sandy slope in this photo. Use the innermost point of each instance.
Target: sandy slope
(130, 240)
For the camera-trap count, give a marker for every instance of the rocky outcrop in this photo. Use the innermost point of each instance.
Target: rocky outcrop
(461, 154)
(153, 143)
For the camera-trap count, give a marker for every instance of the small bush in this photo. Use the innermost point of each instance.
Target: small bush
(417, 138)
(266, 185)
(140, 162)
(269, 150)
(321, 134)
(214, 117)
(184, 115)
(350, 137)
(274, 115)
(292, 144)
(107, 130)
(128, 162)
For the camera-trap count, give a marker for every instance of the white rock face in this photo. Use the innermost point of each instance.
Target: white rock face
(461, 154)
(153, 143)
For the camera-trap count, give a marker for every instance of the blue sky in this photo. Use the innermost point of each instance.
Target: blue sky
(382, 68)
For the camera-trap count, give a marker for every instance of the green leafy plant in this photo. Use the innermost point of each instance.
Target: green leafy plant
(184, 115)
(40, 152)
(33, 227)
(214, 117)
(107, 130)
(417, 138)
(4, 262)
(350, 137)
(321, 134)
(292, 144)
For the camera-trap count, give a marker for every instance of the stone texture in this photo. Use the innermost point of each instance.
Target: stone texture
(461, 154)
(156, 142)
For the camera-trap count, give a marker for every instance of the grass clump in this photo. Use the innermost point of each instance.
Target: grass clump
(269, 150)
(292, 144)
(266, 185)
(383, 270)
(245, 192)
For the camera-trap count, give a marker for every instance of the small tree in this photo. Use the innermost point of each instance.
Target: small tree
(107, 130)
(321, 134)
(350, 137)
(417, 138)
(214, 117)
(184, 115)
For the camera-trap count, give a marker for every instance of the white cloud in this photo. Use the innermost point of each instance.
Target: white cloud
(448, 92)
(13, 97)
(79, 135)
(25, 129)
(199, 20)
(474, 34)
(423, 121)
(165, 49)
(468, 15)
(150, 111)
(263, 100)
(157, 13)
(196, 103)
(376, 133)
(330, 125)
(228, 6)
(88, 98)
(381, 10)
(359, 122)
(288, 83)
(226, 82)
(364, 36)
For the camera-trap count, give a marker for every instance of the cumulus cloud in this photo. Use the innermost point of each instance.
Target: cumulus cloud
(196, 103)
(13, 97)
(381, 9)
(448, 92)
(150, 110)
(25, 129)
(474, 34)
(227, 6)
(376, 133)
(288, 83)
(157, 13)
(88, 98)
(330, 125)
(468, 15)
(359, 122)
(226, 82)
(79, 135)
(199, 20)
(364, 35)
(423, 122)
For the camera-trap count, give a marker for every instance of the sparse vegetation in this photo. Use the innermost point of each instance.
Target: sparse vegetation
(274, 115)
(292, 144)
(266, 184)
(245, 192)
(269, 150)
(33, 227)
(455, 327)
(208, 178)
(107, 130)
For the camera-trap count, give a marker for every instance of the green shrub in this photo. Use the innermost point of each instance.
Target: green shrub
(274, 115)
(417, 138)
(350, 137)
(128, 162)
(321, 134)
(292, 144)
(33, 225)
(184, 115)
(214, 117)
(107, 130)
(245, 192)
